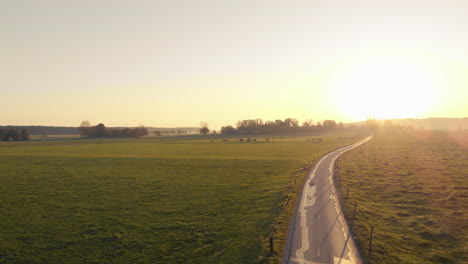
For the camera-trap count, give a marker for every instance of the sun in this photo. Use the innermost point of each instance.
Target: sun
(385, 87)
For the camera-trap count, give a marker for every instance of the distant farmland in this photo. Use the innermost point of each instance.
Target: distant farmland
(148, 200)
(61, 131)
(412, 186)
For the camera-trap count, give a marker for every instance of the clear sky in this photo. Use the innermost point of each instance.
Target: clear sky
(176, 63)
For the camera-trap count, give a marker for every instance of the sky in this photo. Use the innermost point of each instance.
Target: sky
(179, 62)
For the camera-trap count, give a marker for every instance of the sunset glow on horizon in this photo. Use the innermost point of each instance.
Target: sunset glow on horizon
(387, 86)
(177, 63)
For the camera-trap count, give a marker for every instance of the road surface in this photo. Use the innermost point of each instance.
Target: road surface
(319, 232)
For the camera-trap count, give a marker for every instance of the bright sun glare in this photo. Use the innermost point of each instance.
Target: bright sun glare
(386, 87)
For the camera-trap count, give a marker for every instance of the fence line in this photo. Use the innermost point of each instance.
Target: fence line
(291, 185)
(338, 182)
(370, 228)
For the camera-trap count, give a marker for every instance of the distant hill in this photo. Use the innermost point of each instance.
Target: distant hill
(434, 123)
(426, 123)
(56, 130)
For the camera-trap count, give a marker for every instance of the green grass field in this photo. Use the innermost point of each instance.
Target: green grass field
(148, 200)
(412, 186)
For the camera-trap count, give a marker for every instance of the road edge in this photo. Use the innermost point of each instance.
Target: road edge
(291, 226)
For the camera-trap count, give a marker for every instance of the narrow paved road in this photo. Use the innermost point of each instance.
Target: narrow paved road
(319, 232)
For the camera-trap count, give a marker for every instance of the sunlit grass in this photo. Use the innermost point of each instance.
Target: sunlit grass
(149, 200)
(412, 187)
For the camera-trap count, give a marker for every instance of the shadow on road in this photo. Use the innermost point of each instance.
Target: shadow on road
(331, 228)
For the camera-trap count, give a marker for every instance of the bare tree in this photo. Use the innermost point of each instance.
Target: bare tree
(329, 124)
(84, 128)
(24, 134)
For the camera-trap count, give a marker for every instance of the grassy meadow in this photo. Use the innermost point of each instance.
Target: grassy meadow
(412, 186)
(150, 200)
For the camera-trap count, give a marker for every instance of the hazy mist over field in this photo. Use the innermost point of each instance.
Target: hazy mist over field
(176, 63)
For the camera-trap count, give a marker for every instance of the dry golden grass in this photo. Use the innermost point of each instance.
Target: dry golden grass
(412, 187)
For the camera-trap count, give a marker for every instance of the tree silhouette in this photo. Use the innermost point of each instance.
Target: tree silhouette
(10, 134)
(228, 130)
(24, 134)
(100, 130)
(84, 128)
(204, 128)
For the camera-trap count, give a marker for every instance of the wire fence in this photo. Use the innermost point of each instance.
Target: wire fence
(356, 215)
(293, 185)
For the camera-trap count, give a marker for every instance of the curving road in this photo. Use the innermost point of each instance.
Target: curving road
(319, 232)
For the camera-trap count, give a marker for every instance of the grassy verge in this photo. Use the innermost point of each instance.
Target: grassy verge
(149, 200)
(412, 187)
(286, 206)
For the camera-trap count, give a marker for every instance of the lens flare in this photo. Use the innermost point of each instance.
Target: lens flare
(385, 87)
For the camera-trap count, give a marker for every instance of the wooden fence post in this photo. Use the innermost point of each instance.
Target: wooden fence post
(354, 214)
(272, 250)
(370, 244)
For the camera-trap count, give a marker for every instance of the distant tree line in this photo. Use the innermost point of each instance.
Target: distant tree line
(45, 130)
(389, 125)
(171, 131)
(288, 125)
(12, 134)
(100, 131)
